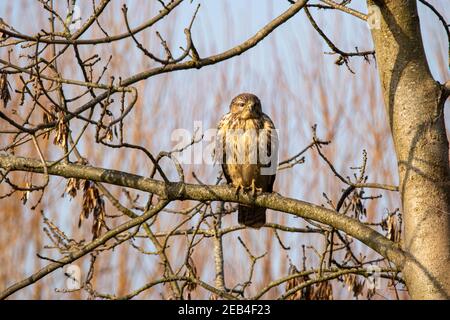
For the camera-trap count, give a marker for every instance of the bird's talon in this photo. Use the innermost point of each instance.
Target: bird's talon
(255, 189)
(238, 188)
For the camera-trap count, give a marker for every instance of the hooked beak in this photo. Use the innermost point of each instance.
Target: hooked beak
(247, 112)
(248, 107)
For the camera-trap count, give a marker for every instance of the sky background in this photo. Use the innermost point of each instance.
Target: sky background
(299, 85)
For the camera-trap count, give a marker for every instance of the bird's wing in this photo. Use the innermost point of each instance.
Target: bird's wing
(269, 143)
(219, 153)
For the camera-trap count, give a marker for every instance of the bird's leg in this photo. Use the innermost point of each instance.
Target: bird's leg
(254, 189)
(238, 188)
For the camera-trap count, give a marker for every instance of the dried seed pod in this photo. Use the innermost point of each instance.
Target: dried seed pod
(353, 284)
(60, 132)
(191, 286)
(73, 185)
(303, 294)
(323, 291)
(5, 96)
(92, 202)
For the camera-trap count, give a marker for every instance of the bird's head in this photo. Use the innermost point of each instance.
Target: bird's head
(246, 106)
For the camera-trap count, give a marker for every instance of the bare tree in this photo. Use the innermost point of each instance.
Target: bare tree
(88, 116)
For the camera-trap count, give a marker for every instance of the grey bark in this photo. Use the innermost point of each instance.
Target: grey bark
(414, 103)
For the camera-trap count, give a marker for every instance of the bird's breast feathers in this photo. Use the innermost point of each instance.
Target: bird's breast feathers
(246, 141)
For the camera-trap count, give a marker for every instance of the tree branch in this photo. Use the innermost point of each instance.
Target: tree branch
(83, 251)
(237, 50)
(184, 191)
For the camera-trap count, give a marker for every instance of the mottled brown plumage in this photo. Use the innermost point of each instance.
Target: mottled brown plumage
(247, 148)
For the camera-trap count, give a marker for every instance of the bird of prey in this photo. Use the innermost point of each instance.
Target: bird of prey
(247, 148)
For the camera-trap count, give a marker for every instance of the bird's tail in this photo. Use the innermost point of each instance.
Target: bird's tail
(251, 216)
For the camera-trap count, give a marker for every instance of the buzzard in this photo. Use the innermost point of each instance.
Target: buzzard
(247, 148)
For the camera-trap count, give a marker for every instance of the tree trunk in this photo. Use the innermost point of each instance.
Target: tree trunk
(414, 102)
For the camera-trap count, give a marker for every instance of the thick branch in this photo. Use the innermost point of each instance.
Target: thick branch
(184, 191)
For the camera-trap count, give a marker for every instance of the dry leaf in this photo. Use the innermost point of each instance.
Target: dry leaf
(47, 118)
(393, 228)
